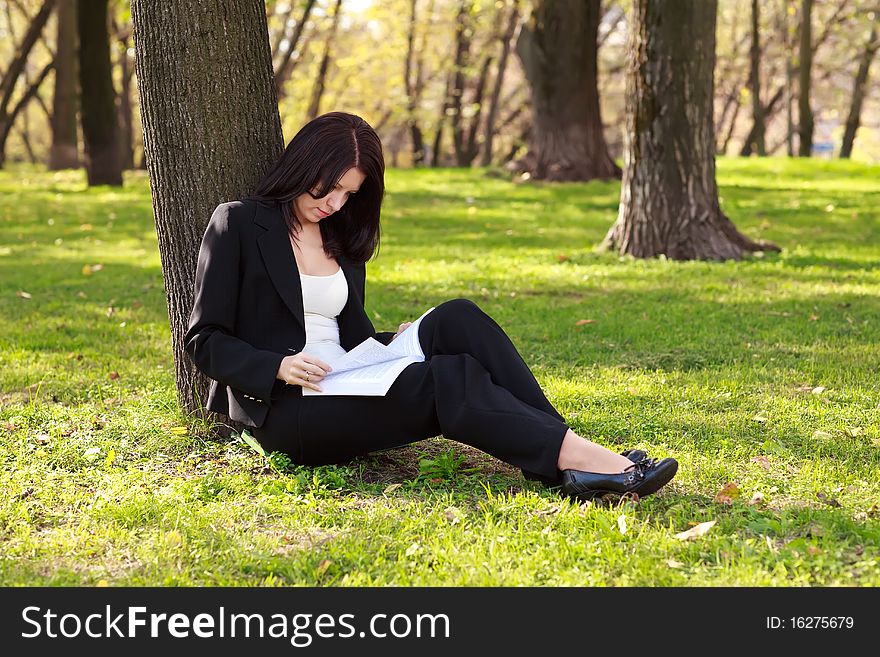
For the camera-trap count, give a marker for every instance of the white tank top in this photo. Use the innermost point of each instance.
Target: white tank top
(324, 297)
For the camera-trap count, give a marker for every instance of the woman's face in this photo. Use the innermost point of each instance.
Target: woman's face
(313, 210)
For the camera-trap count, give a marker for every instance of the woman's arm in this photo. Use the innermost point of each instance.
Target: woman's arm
(210, 339)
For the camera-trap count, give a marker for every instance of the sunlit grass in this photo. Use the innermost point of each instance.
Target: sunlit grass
(761, 372)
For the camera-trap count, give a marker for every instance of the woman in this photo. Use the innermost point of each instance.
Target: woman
(280, 291)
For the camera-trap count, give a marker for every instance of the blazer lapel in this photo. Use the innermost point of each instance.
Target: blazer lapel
(280, 262)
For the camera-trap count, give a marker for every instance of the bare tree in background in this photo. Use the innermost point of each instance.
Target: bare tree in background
(495, 99)
(64, 152)
(15, 70)
(669, 198)
(321, 79)
(805, 112)
(860, 83)
(558, 48)
(211, 130)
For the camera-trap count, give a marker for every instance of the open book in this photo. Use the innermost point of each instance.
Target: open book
(371, 367)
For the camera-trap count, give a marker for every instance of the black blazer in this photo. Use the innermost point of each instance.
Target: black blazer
(248, 310)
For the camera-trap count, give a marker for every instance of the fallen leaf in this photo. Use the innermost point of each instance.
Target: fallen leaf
(727, 493)
(391, 488)
(178, 431)
(110, 311)
(87, 270)
(696, 531)
(813, 318)
(822, 435)
(322, 567)
(85, 226)
(854, 432)
(411, 550)
(760, 418)
(672, 563)
(23, 295)
(818, 390)
(81, 294)
(92, 452)
(830, 501)
(102, 583)
(136, 304)
(114, 376)
(757, 500)
(111, 456)
(621, 523)
(581, 322)
(42, 439)
(813, 550)
(562, 257)
(763, 461)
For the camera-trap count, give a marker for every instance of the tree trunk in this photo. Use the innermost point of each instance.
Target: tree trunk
(669, 199)
(463, 34)
(492, 116)
(413, 87)
(64, 153)
(321, 80)
(14, 71)
(805, 113)
(441, 121)
(98, 111)
(757, 142)
(211, 131)
(559, 52)
(287, 64)
(859, 85)
(124, 110)
(789, 82)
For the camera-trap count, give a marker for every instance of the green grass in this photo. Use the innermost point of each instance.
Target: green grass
(762, 372)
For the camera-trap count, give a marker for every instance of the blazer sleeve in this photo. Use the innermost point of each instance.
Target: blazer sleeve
(210, 339)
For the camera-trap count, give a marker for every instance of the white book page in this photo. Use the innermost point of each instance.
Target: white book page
(371, 367)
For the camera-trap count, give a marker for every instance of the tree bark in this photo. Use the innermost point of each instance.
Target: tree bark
(860, 83)
(64, 152)
(669, 199)
(211, 131)
(321, 80)
(98, 111)
(805, 112)
(494, 100)
(559, 51)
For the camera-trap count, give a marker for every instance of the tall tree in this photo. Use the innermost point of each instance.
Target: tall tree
(98, 101)
(15, 70)
(125, 112)
(854, 118)
(321, 79)
(495, 99)
(64, 152)
(805, 51)
(559, 51)
(211, 130)
(413, 82)
(669, 198)
(757, 143)
(286, 63)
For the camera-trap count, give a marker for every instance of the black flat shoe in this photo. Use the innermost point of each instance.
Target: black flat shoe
(634, 455)
(643, 478)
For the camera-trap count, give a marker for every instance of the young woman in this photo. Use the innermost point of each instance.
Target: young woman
(280, 291)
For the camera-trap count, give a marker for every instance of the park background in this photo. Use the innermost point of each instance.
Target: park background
(757, 372)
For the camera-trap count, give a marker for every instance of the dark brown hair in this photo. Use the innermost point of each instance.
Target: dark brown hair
(315, 159)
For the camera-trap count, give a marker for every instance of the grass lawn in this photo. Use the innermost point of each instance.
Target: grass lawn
(760, 377)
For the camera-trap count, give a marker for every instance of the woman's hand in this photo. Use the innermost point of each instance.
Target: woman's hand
(401, 329)
(303, 370)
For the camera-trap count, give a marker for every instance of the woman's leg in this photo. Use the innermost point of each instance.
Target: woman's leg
(459, 326)
(450, 394)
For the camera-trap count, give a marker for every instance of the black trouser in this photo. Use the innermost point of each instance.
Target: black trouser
(473, 387)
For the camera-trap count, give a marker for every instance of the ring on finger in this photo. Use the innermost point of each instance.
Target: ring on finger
(308, 375)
